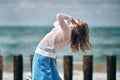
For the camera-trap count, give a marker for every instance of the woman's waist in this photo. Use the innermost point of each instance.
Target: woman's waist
(46, 48)
(45, 51)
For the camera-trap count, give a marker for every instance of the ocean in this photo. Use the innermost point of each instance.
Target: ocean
(23, 40)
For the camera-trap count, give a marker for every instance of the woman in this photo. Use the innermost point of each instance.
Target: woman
(66, 30)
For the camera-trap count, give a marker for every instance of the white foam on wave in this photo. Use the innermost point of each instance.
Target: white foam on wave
(77, 75)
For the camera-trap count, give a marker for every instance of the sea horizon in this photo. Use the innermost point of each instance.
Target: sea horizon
(109, 26)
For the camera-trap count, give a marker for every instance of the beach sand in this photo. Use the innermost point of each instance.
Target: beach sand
(99, 72)
(77, 75)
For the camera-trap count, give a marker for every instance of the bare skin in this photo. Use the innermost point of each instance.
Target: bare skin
(75, 23)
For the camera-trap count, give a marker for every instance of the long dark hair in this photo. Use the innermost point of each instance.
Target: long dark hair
(80, 38)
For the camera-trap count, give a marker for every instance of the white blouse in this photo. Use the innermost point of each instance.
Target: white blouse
(58, 37)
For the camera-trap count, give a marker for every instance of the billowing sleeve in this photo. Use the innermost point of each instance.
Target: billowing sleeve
(63, 19)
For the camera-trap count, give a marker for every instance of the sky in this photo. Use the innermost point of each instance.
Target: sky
(43, 12)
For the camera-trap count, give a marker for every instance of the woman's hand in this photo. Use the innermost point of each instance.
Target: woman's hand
(79, 22)
(73, 24)
(73, 21)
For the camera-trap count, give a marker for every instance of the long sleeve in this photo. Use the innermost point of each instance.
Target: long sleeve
(59, 36)
(63, 19)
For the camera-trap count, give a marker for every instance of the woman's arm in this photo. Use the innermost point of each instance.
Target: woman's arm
(61, 19)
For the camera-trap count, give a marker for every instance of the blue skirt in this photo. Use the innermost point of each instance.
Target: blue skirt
(44, 68)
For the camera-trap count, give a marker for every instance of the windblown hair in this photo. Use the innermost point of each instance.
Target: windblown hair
(80, 38)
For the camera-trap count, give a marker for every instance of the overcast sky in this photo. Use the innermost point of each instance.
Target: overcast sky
(43, 12)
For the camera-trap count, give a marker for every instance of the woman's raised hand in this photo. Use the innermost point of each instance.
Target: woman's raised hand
(73, 21)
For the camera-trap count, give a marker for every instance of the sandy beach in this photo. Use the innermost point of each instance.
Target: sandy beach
(77, 75)
(99, 72)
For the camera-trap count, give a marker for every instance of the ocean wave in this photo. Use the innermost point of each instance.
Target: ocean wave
(24, 40)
